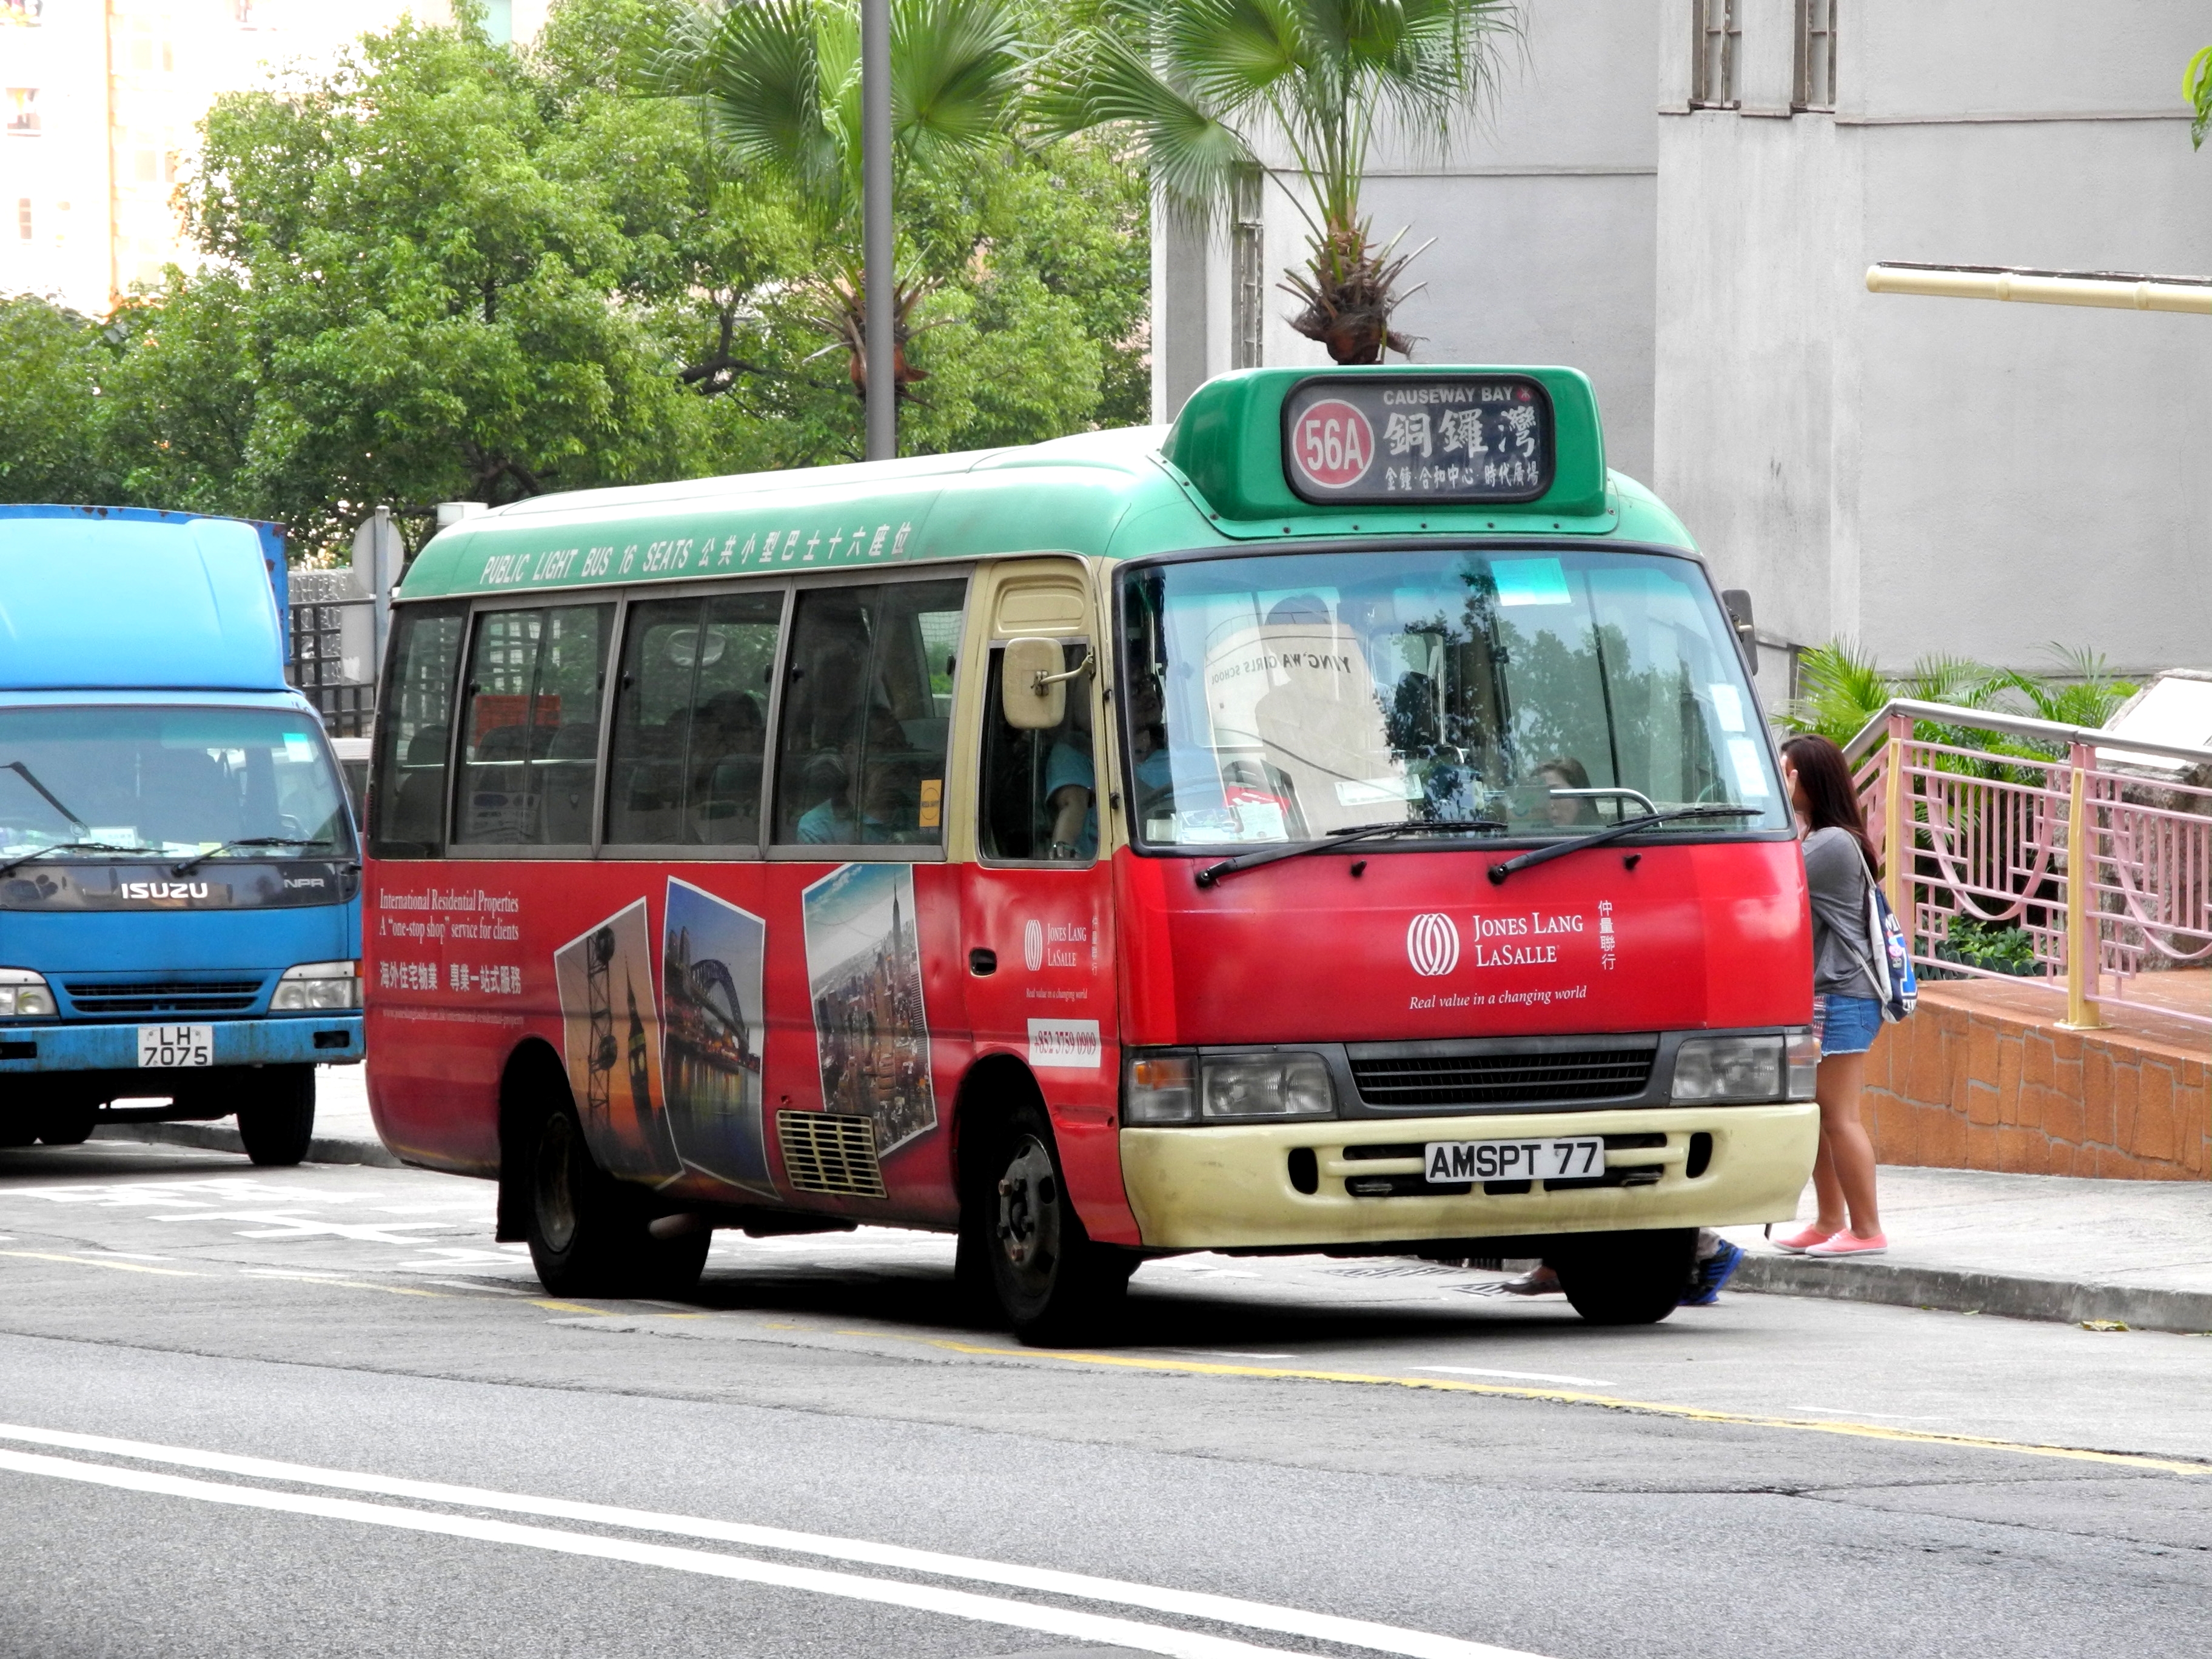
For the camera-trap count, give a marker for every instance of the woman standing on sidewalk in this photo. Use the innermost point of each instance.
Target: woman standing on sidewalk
(1840, 869)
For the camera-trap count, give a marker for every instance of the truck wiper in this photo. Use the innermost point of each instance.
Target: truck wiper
(73, 847)
(1614, 832)
(1213, 872)
(52, 800)
(198, 858)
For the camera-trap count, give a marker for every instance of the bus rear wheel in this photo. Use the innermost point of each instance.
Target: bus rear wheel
(276, 1118)
(1626, 1279)
(1054, 1285)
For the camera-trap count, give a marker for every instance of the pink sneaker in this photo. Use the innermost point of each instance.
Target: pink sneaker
(1799, 1242)
(1848, 1242)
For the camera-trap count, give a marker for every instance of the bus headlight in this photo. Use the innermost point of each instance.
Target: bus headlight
(1802, 1061)
(1265, 1086)
(1729, 1069)
(1159, 1090)
(318, 987)
(24, 995)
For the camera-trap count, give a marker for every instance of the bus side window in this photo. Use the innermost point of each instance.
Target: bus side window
(866, 715)
(413, 727)
(1040, 788)
(690, 722)
(530, 756)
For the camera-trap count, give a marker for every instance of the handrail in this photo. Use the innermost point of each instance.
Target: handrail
(2049, 287)
(2020, 726)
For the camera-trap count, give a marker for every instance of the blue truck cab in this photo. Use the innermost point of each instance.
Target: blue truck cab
(179, 872)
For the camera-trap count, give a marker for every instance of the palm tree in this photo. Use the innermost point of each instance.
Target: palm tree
(1211, 84)
(778, 85)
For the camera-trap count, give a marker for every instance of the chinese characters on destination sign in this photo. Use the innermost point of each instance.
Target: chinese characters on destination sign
(1463, 438)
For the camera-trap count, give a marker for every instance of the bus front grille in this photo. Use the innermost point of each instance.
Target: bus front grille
(825, 1153)
(1502, 1079)
(157, 996)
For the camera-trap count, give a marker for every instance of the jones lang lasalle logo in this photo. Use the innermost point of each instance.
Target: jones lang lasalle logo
(1433, 945)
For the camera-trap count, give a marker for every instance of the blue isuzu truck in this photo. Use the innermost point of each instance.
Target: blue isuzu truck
(179, 877)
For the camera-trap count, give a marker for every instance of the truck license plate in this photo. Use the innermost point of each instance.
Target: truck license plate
(176, 1045)
(1514, 1160)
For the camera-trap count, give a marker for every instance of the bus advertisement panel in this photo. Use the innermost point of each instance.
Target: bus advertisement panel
(1340, 822)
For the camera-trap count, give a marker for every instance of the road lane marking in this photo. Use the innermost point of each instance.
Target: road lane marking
(1525, 1376)
(1221, 1609)
(1648, 1408)
(343, 1283)
(99, 1262)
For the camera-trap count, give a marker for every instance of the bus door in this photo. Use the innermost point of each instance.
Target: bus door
(1037, 905)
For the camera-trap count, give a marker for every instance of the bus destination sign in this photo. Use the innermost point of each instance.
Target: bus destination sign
(1418, 439)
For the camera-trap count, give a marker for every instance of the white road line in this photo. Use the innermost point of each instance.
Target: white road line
(1524, 1376)
(1222, 1609)
(925, 1598)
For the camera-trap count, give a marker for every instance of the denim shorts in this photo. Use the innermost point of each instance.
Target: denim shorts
(1845, 1025)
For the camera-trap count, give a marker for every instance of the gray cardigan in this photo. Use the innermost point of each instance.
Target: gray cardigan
(1836, 874)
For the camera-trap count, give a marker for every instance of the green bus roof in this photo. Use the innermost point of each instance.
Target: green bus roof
(1217, 478)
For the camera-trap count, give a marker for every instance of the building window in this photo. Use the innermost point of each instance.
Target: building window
(23, 217)
(22, 111)
(1248, 278)
(1816, 55)
(241, 13)
(1715, 36)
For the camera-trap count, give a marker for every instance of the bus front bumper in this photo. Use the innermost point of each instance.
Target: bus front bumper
(85, 1046)
(1229, 1187)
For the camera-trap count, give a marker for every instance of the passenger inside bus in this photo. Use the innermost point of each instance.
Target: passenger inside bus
(1565, 772)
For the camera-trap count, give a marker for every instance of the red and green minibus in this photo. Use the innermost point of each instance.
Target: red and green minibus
(1340, 822)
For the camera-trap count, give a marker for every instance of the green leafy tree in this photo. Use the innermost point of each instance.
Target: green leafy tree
(2197, 89)
(50, 403)
(1211, 86)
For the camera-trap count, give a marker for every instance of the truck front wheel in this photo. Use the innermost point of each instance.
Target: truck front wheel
(276, 1115)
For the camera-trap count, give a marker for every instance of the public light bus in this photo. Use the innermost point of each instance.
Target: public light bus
(1341, 821)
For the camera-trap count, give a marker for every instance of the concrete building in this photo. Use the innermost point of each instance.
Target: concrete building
(1926, 477)
(102, 101)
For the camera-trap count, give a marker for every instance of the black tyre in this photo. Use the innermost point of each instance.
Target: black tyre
(1054, 1286)
(587, 1230)
(1626, 1279)
(276, 1118)
(68, 1124)
(18, 1128)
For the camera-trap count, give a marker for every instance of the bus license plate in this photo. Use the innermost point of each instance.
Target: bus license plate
(1515, 1160)
(176, 1045)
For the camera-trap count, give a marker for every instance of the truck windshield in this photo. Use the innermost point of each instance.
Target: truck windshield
(1285, 696)
(173, 780)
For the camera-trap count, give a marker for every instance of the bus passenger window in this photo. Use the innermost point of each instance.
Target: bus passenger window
(413, 727)
(690, 725)
(1040, 788)
(530, 756)
(867, 714)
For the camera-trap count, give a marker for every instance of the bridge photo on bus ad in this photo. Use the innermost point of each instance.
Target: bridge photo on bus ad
(1342, 822)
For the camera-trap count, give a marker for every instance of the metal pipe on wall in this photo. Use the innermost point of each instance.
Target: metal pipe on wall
(875, 231)
(2048, 287)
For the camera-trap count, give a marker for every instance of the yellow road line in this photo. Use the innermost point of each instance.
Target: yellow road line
(347, 1284)
(99, 1262)
(1611, 1402)
(565, 1307)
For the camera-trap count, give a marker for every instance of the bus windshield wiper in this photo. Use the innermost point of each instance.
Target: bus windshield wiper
(72, 847)
(1213, 872)
(1615, 832)
(198, 858)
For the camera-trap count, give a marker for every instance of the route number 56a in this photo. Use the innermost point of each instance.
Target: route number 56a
(1331, 444)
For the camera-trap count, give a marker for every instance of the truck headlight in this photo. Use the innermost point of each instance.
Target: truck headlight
(24, 995)
(1729, 1069)
(1265, 1086)
(318, 985)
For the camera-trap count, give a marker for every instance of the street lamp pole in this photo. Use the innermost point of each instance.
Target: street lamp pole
(876, 227)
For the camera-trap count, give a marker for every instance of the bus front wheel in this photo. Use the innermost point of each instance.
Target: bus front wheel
(590, 1235)
(1626, 1279)
(276, 1118)
(1054, 1285)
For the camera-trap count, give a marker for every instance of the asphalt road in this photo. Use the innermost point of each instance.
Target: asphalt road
(249, 1413)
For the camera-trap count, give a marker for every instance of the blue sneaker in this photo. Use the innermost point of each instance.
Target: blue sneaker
(1715, 1271)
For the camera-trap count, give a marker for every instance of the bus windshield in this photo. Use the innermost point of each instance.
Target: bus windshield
(168, 781)
(1283, 697)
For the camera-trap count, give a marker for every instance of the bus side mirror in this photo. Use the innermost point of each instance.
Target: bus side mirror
(1033, 684)
(1736, 601)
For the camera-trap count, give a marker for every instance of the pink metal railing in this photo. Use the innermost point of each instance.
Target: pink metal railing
(1993, 838)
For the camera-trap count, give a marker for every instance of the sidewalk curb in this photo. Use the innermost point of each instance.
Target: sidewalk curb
(223, 1137)
(1953, 1290)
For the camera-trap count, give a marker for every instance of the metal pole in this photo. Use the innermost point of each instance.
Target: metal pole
(1899, 842)
(876, 225)
(2083, 940)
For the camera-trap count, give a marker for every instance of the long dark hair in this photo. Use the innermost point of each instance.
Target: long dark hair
(1833, 804)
